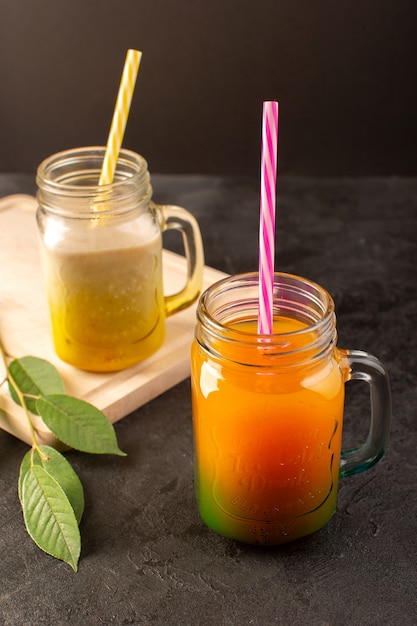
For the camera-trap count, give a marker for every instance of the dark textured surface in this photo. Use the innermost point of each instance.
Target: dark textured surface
(146, 557)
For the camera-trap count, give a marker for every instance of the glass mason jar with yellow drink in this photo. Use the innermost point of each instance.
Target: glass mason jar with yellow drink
(268, 410)
(101, 248)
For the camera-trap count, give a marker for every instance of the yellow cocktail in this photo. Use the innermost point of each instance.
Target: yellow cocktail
(107, 306)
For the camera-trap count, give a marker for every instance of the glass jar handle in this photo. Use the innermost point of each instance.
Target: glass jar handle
(175, 217)
(363, 366)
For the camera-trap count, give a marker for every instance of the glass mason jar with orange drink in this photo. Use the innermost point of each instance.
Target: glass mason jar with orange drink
(268, 410)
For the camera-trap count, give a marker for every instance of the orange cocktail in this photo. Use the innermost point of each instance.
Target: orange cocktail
(267, 440)
(268, 410)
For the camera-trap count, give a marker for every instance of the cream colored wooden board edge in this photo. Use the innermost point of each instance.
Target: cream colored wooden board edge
(120, 393)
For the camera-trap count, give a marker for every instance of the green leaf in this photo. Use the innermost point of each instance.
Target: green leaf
(78, 424)
(49, 517)
(58, 467)
(34, 377)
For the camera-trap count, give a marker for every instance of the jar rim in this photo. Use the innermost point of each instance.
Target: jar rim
(68, 183)
(324, 313)
(64, 160)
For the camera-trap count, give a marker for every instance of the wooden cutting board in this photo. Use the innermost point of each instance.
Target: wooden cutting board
(25, 329)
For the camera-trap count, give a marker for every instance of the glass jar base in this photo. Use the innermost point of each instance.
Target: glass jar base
(107, 361)
(268, 532)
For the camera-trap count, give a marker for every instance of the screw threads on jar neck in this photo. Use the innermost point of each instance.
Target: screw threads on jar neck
(68, 183)
(304, 322)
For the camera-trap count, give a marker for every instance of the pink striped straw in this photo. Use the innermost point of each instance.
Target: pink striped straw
(267, 216)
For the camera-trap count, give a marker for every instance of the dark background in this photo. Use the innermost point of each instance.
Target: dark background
(344, 73)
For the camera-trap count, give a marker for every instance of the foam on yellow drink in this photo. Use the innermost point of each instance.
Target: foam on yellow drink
(267, 443)
(106, 305)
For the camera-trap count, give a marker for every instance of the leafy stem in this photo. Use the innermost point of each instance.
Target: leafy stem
(50, 491)
(21, 399)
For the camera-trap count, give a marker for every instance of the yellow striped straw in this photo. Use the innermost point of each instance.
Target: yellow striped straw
(120, 115)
